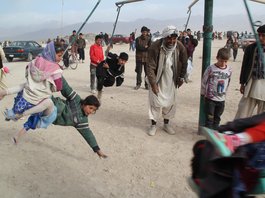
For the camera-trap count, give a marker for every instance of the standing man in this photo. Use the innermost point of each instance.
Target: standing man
(142, 43)
(96, 56)
(73, 43)
(81, 44)
(166, 69)
(252, 79)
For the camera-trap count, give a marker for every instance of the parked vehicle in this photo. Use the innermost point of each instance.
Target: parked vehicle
(246, 40)
(22, 49)
(119, 38)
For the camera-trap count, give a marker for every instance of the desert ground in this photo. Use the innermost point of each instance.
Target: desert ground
(58, 163)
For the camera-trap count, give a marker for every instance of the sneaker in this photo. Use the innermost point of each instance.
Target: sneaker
(82, 61)
(93, 91)
(137, 87)
(10, 115)
(152, 130)
(169, 129)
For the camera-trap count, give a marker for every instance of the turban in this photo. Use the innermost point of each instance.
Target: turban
(169, 31)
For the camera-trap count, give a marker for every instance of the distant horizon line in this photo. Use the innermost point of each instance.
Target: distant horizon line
(135, 20)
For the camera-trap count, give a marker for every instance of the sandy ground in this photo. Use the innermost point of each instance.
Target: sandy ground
(57, 163)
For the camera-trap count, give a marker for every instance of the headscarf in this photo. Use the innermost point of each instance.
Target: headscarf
(48, 52)
(169, 30)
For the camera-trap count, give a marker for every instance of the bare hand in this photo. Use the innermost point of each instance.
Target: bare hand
(242, 89)
(101, 154)
(180, 83)
(155, 89)
(106, 65)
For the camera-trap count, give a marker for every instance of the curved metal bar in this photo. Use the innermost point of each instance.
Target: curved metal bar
(260, 50)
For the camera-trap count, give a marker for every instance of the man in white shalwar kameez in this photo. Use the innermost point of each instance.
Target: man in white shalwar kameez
(252, 79)
(166, 68)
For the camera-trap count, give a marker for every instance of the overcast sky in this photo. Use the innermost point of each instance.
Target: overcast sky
(26, 12)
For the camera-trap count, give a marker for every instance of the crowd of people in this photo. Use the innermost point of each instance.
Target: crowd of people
(164, 63)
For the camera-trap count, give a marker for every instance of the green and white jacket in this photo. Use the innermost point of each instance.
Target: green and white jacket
(70, 113)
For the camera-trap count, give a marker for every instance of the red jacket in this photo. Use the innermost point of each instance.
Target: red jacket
(254, 126)
(96, 54)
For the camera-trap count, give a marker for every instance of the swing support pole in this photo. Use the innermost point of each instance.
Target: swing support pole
(186, 25)
(81, 27)
(119, 5)
(206, 56)
(189, 11)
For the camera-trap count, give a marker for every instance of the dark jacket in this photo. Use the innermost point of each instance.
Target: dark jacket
(241, 124)
(73, 38)
(114, 73)
(81, 43)
(69, 113)
(179, 70)
(247, 64)
(141, 50)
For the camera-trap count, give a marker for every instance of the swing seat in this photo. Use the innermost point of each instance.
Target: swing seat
(224, 151)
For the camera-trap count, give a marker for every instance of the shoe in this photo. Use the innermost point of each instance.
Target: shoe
(152, 130)
(169, 129)
(93, 91)
(10, 115)
(137, 87)
(82, 61)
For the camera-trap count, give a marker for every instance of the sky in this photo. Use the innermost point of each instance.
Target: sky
(27, 12)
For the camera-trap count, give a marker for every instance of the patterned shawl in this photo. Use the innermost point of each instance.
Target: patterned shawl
(49, 52)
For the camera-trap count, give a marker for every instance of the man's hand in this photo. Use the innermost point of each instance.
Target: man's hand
(101, 154)
(155, 89)
(180, 83)
(242, 89)
(106, 65)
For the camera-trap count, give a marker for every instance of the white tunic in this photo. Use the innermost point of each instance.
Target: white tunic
(167, 92)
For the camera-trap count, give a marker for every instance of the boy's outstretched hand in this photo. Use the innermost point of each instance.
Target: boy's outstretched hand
(101, 154)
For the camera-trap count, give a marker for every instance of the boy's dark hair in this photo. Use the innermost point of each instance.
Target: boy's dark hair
(223, 53)
(98, 37)
(124, 56)
(91, 100)
(203, 151)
